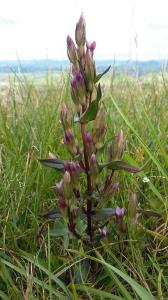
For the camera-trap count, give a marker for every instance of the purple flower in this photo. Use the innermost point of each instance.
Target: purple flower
(59, 188)
(91, 46)
(119, 212)
(103, 231)
(115, 187)
(93, 159)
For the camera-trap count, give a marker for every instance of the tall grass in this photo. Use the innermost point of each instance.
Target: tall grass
(35, 265)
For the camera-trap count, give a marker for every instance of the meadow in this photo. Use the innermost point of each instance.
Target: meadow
(35, 263)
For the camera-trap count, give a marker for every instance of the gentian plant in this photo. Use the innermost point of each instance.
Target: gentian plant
(85, 181)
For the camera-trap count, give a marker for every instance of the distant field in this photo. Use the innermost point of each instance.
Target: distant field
(35, 264)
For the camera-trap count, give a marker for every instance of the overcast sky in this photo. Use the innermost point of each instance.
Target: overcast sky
(123, 29)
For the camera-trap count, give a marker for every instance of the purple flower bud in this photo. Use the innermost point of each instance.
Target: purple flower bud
(68, 137)
(90, 70)
(99, 126)
(66, 118)
(115, 187)
(119, 212)
(58, 187)
(103, 231)
(66, 165)
(67, 189)
(119, 143)
(71, 50)
(62, 203)
(78, 90)
(93, 159)
(91, 46)
(120, 218)
(88, 138)
(73, 167)
(120, 138)
(102, 129)
(70, 142)
(80, 32)
(67, 177)
(70, 42)
(94, 169)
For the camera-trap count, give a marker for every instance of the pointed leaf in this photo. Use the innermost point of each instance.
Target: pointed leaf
(104, 213)
(100, 75)
(53, 163)
(91, 112)
(57, 163)
(119, 165)
(53, 214)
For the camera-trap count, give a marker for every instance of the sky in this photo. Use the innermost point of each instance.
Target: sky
(122, 29)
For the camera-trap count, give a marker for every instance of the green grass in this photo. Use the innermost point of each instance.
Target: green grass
(34, 265)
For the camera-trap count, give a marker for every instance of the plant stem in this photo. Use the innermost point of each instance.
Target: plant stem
(89, 186)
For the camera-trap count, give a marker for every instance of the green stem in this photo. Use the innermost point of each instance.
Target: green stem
(89, 186)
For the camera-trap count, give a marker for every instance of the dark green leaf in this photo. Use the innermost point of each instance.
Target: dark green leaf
(53, 163)
(100, 75)
(57, 163)
(97, 215)
(53, 214)
(91, 112)
(119, 165)
(104, 213)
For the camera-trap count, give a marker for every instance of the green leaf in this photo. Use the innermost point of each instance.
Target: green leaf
(53, 214)
(91, 113)
(96, 215)
(100, 75)
(60, 229)
(57, 163)
(119, 165)
(104, 213)
(53, 163)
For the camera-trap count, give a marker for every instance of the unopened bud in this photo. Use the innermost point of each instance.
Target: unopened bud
(103, 231)
(78, 90)
(120, 218)
(74, 92)
(67, 178)
(69, 141)
(88, 140)
(132, 206)
(59, 188)
(119, 212)
(63, 208)
(66, 118)
(120, 143)
(62, 203)
(91, 46)
(94, 169)
(67, 185)
(109, 151)
(115, 187)
(71, 50)
(80, 32)
(90, 70)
